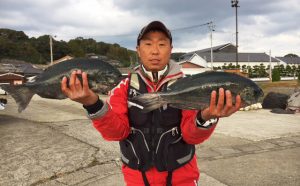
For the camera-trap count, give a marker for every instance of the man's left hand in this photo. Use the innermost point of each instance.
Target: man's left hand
(221, 109)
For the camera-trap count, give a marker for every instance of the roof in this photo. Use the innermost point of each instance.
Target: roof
(7, 77)
(243, 57)
(190, 63)
(290, 60)
(22, 68)
(11, 74)
(67, 57)
(215, 49)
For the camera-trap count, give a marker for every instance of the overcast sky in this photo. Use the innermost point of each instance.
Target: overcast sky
(263, 24)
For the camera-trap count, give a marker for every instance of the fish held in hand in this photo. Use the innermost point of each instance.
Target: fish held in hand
(102, 77)
(193, 92)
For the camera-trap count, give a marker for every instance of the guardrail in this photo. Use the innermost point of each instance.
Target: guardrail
(267, 79)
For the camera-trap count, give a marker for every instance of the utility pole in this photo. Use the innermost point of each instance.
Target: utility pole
(270, 68)
(51, 53)
(234, 3)
(51, 45)
(211, 27)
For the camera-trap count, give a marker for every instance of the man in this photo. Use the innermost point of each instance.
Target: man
(157, 148)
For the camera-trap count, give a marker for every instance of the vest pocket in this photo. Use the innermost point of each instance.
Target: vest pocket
(135, 151)
(178, 153)
(128, 154)
(172, 152)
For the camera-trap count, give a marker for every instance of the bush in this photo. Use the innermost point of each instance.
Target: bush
(298, 77)
(275, 75)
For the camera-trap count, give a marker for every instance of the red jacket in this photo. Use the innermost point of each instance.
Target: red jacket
(112, 123)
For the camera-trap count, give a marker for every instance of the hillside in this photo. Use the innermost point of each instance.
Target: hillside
(17, 45)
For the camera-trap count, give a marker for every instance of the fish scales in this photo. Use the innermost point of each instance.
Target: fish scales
(194, 92)
(102, 77)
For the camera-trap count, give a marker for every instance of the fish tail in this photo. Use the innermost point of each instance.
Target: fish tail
(21, 94)
(150, 101)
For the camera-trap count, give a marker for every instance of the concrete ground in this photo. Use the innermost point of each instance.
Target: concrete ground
(53, 143)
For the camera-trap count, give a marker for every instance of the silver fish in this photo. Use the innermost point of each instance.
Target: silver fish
(193, 92)
(102, 78)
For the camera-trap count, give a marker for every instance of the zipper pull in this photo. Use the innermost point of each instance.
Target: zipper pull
(174, 131)
(132, 131)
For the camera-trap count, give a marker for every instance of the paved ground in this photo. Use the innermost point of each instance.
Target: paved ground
(52, 143)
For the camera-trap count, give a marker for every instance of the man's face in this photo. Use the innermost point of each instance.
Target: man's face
(154, 50)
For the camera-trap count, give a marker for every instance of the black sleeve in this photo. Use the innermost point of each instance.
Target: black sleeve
(91, 109)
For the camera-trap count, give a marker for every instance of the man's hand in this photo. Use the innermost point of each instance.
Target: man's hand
(221, 109)
(77, 92)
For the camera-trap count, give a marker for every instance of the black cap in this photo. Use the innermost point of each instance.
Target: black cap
(154, 25)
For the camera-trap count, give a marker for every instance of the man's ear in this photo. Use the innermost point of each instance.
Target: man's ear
(138, 50)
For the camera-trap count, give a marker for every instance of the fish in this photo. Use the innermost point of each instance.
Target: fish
(102, 77)
(194, 92)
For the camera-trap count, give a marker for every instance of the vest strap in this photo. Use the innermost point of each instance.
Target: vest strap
(145, 178)
(169, 178)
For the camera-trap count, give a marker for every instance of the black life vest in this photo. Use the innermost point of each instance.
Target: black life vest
(155, 138)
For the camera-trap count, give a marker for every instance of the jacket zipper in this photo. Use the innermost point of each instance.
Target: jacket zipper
(133, 151)
(134, 129)
(174, 132)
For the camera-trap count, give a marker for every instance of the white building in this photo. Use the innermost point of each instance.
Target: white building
(289, 61)
(224, 55)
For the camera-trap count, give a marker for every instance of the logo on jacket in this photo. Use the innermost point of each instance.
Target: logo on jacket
(133, 92)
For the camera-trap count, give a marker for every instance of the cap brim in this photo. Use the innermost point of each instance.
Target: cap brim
(155, 25)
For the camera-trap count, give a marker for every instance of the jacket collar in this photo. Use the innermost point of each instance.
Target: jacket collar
(174, 72)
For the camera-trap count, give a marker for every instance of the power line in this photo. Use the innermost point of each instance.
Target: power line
(176, 29)
(190, 27)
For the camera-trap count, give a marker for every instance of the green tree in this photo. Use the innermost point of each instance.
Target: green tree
(102, 48)
(298, 71)
(12, 35)
(262, 71)
(224, 66)
(75, 46)
(244, 68)
(276, 74)
(17, 45)
(249, 70)
(60, 49)
(41, 44)
(289, 71)
(230, 66)
(255, 72)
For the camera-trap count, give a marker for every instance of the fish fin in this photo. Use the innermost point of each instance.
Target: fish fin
(150, 101)
(21, 94)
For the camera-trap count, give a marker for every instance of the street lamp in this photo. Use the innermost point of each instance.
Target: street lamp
(234, 3)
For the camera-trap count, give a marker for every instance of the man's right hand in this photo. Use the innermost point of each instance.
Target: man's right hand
(78, 92)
